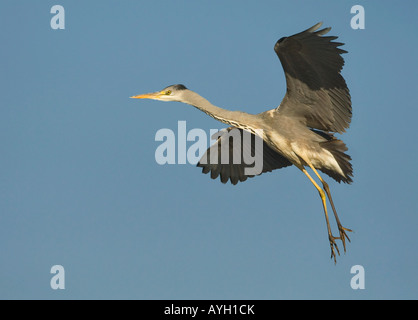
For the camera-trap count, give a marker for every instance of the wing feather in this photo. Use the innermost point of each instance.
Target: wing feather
(316, 93)
(236, 172)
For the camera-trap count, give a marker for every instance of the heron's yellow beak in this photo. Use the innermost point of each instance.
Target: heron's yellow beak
(153, 95)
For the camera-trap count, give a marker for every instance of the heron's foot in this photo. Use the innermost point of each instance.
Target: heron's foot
(343, 235)
(334, 246)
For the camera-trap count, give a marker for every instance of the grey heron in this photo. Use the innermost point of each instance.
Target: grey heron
(300, 131)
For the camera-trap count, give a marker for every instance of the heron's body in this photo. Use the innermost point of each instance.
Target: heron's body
(308, 146)
(286, 135)
(300, 131)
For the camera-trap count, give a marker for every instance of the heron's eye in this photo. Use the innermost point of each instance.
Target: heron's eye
(168, 92)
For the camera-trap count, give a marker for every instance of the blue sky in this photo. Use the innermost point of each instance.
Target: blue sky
(80, 187)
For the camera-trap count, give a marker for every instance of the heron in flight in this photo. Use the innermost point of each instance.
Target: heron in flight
(300, 131)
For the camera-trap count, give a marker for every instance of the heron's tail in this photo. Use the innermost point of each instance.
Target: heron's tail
(337, 149)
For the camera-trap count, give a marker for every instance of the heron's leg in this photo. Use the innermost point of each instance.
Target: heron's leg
(324, 203)
(341, 229)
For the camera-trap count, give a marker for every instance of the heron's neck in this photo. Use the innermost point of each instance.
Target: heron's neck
(234, 118)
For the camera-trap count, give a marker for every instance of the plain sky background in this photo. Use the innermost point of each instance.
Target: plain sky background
(80, 187)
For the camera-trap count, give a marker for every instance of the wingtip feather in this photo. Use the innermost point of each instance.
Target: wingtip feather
(315, 27)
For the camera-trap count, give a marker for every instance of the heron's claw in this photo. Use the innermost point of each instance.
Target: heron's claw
(343, 235)
(334, 246)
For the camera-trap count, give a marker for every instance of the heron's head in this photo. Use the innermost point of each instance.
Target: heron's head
(170, 93)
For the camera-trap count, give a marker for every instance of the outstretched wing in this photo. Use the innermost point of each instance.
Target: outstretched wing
(234, 168)
(316, 92)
